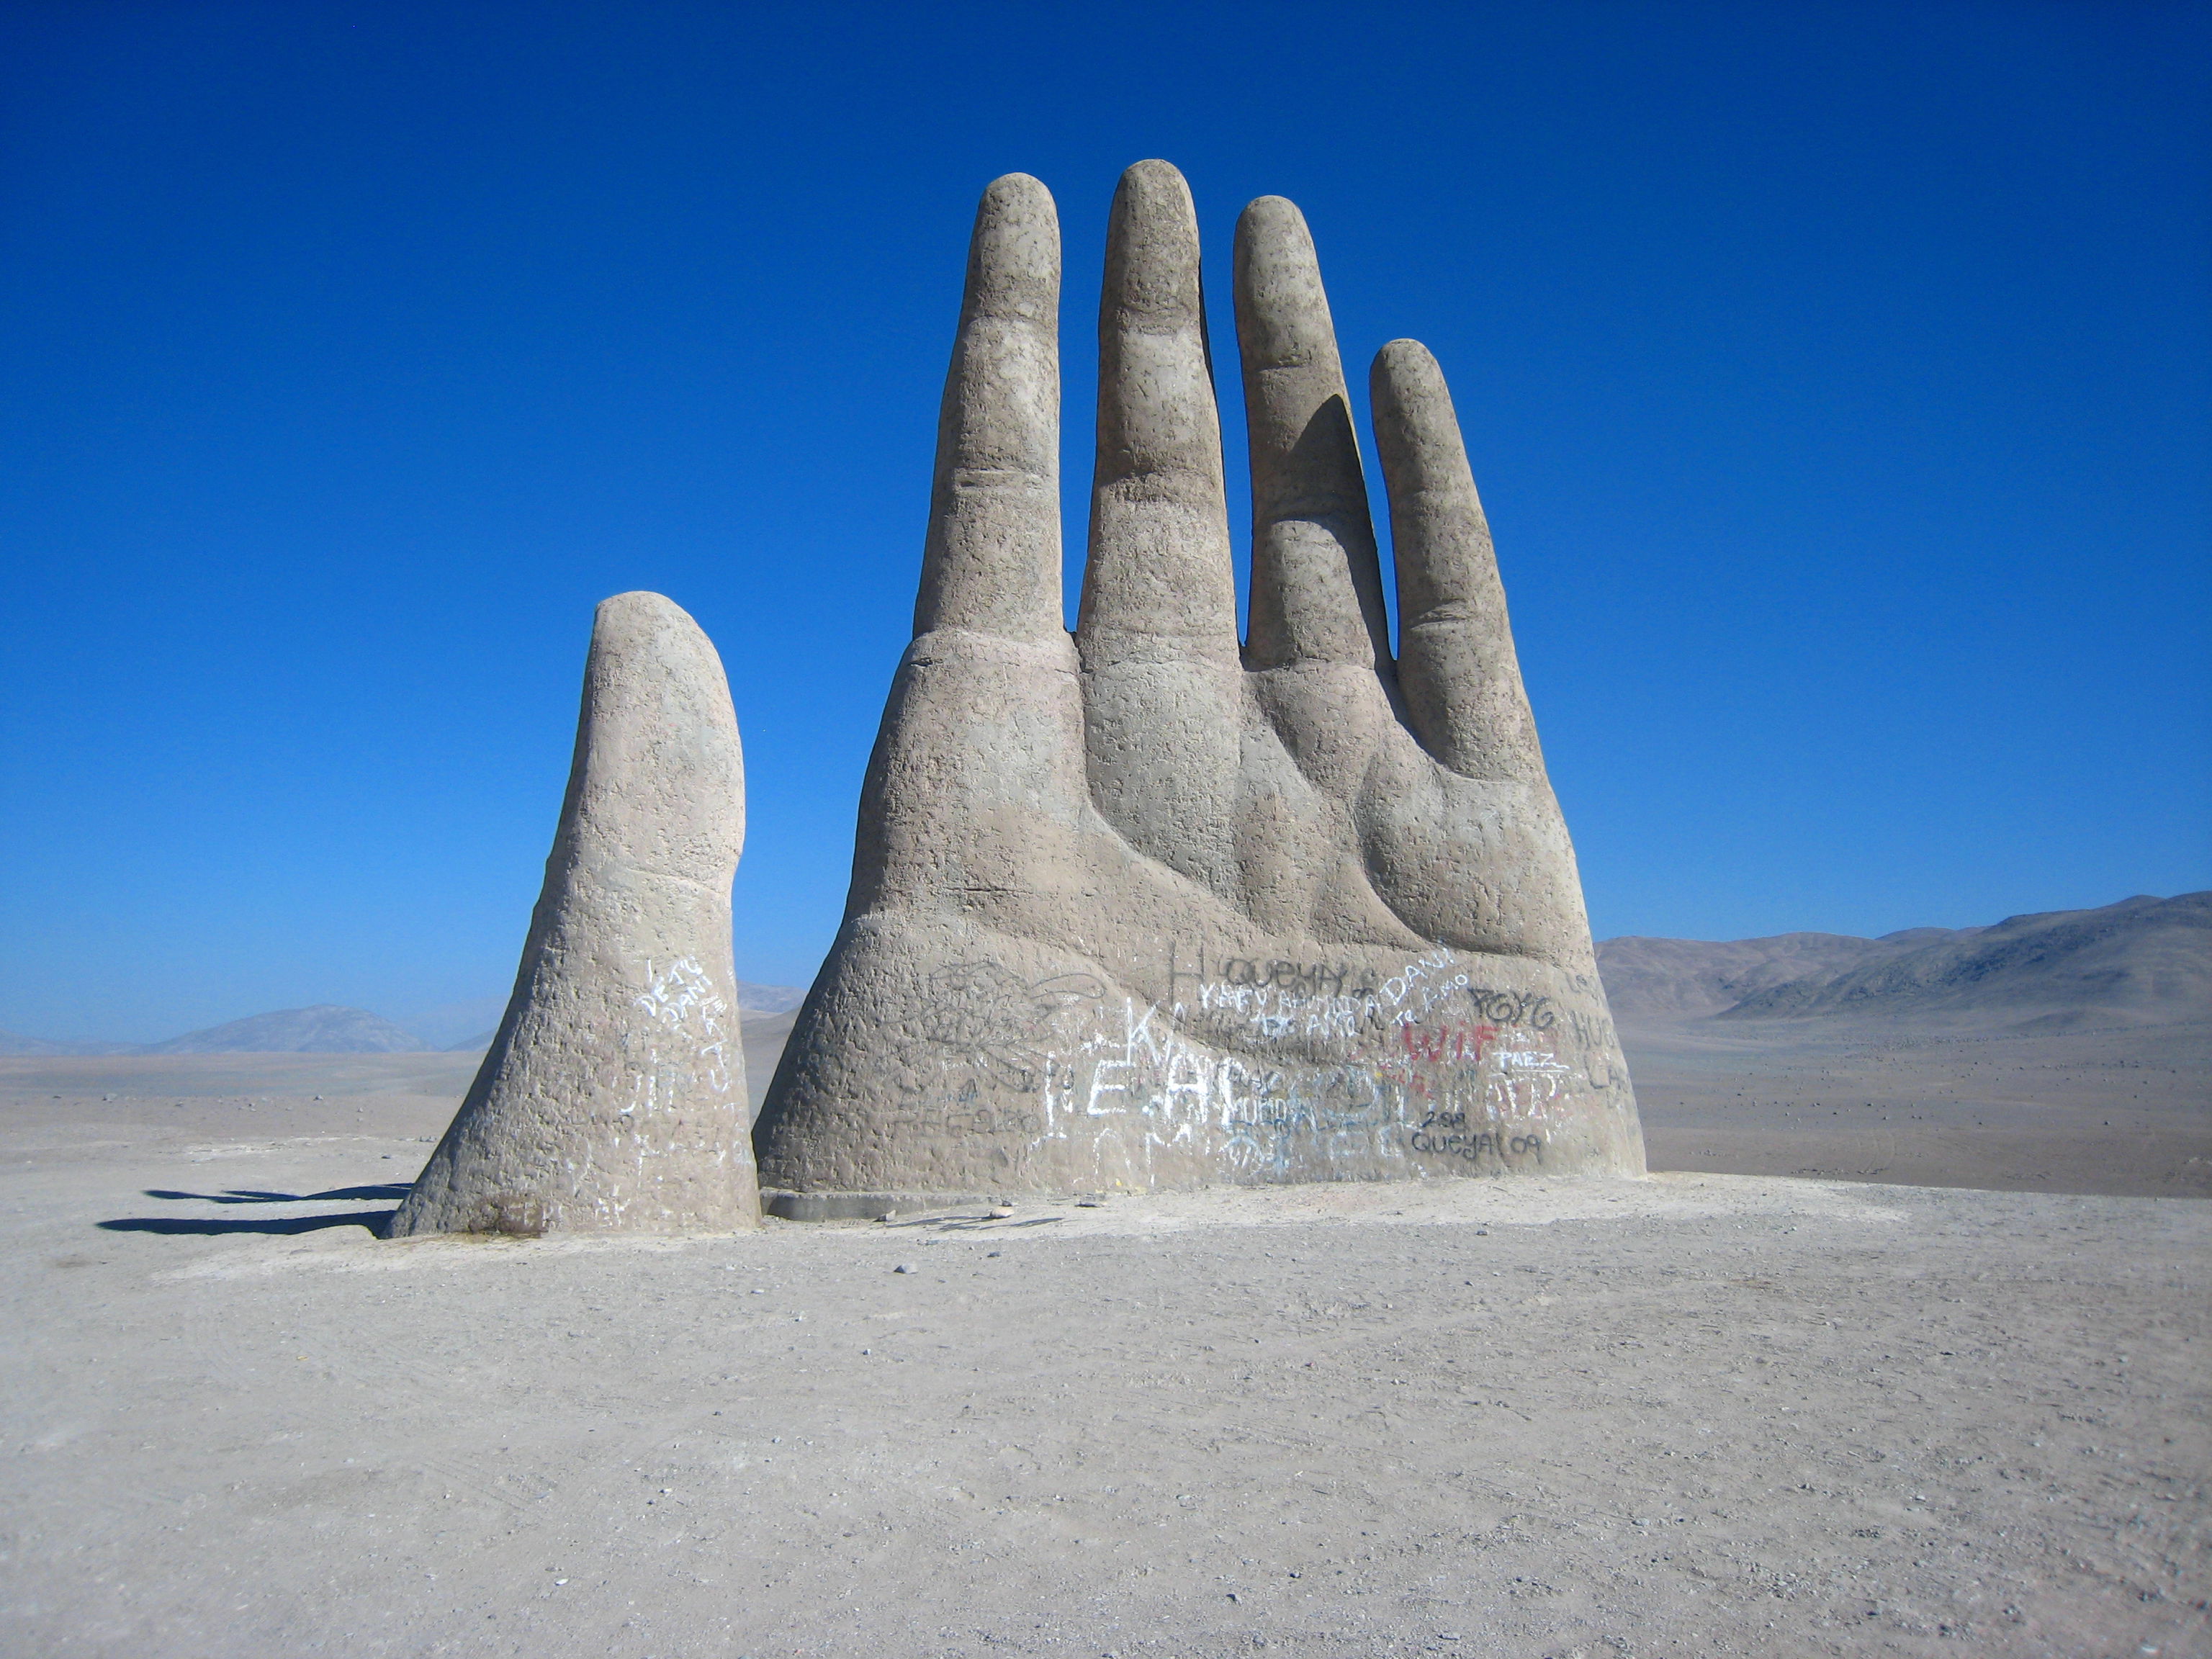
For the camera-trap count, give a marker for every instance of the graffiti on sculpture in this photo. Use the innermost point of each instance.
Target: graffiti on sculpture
(1270, 1070)
(685, 1040)
(992, 1017)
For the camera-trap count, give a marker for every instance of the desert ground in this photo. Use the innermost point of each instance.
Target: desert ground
(2121, 1109)
(1751, 1412)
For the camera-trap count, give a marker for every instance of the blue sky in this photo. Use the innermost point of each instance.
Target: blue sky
(1836, 376)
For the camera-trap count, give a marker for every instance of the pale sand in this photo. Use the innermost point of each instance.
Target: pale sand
(1693, 1415)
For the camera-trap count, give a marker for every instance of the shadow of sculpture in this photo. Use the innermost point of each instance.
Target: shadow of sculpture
(393, 1191)
(376, 1221)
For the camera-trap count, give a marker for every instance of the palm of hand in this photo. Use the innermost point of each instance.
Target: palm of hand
(1150, 907)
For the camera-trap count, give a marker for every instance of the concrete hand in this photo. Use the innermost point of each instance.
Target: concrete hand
(1148, 907)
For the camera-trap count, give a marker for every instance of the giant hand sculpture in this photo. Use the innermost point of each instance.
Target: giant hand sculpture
(1145, 908)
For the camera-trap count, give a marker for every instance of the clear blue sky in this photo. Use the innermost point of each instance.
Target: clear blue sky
(1836, 377)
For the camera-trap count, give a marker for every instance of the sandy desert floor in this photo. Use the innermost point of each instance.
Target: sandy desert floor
(1698, 1414)
(2120, 1109)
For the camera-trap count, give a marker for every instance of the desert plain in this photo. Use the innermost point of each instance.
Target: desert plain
(1900, 1349)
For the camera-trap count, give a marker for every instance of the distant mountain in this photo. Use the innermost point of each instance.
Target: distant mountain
(1691, 978)
(11, 1044)
(2142, 958)
(2147, 959)
(323, 1030)
(769, 999)
(448, 1024)
(760, 1008)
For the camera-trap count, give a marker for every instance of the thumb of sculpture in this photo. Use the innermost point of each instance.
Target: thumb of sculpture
(613, 1097)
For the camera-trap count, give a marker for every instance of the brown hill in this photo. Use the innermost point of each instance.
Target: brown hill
(1673, 979)
(2141, 960)
(325, 1029)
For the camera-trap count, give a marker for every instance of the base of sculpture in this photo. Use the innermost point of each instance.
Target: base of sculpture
(1012, 1070)
(865, 1206)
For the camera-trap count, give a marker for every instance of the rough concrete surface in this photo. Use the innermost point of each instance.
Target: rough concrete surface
(1151, 907)
(613, 1097)
(1686, 1416)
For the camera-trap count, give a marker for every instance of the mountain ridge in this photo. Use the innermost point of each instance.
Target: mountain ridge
(2144, 959)
(323, 1029)
(2139, 960)
(330, 1029)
